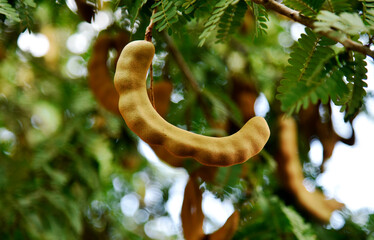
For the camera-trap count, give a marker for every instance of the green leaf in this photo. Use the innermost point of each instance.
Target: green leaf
(30, 3)
(355, 70)
(348, 23)
(9, 12)
(134, 11)
(230, 21)
(306, 7)
(260, 16)
(214, 19)
(302, 230)
(338, 6)
(310, 73)
(166, 15)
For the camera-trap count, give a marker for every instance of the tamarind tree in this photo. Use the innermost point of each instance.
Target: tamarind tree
(75, 112)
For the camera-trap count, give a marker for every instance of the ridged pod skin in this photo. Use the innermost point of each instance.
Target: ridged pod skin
(102, 86)
(142, 118)
(162, 93)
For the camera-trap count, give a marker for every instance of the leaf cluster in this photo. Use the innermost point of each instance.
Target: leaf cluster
(306, 7)
(218, 14)
(260, 16)
(317, 73)
(166, 14)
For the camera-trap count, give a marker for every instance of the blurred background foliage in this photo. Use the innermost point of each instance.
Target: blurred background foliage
(70, 169)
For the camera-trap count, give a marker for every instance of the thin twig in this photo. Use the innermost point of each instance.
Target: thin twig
(148, 37)
(308, 22)
(181, 63)
(189, 77)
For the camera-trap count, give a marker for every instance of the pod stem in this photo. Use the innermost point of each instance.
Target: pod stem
(148, 37)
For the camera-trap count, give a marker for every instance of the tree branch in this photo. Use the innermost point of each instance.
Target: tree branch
(189, 77)
(308, 22)
(181, 63)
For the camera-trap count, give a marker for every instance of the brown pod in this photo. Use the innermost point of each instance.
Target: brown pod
(102, 86)
(192, 215)
(99, 76)
(244, 94)
(162, 93)
(141, 118)
(291, 172)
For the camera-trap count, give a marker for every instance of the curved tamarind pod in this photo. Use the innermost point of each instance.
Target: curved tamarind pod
(291, 172)
(244, 94)
(141, 118)
(99, 78)
(167, 157)
(162, 92)
(104, 91)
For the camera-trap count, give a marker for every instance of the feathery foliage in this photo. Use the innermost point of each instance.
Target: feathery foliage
(306, 7)
(25, 9)
(188, 5)
(21, 15)
(307, 78)
(166, 14)
(346, 23)
(355, 72)
(260, 16)
(214, 20)
(134, 10)
(7, 10)
(231, 20)
(338, 6)
(368, 12)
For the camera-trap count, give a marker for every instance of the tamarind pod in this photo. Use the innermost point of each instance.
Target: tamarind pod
(228, 230)
(104, 91)
(99, 77)
(192, 215)
(167, 157)
(291, 170)
(244, 94)
(206, 173)
(162, 93)
(141, 118)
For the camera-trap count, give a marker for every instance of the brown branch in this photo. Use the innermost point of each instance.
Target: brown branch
(148, 31)
(308, 22)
